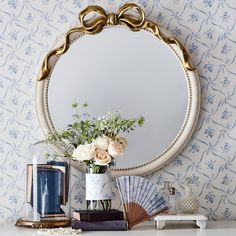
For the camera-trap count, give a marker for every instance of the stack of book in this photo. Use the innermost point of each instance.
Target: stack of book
(88, 220)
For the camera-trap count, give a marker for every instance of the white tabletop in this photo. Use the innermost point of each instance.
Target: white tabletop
(218, 228)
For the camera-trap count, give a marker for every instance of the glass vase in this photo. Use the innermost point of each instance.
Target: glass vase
(48, 202)
(98, 187)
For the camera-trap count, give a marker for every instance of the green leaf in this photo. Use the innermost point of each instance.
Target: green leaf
(86, 128)
(74, 105)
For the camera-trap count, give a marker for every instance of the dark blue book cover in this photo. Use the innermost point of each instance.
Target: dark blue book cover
(66, 173)
(49, 191)
(108, 225)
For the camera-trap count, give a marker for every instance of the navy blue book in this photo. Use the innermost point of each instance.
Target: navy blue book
(50, 191)
(108, 225)
(66, 177)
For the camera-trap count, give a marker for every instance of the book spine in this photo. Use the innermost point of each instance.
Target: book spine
(89, 216)
(114, 225)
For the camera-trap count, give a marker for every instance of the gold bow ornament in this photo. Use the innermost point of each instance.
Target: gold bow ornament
(135, 22)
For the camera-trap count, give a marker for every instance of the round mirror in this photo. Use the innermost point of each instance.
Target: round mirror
(125, 71)
(130, 72)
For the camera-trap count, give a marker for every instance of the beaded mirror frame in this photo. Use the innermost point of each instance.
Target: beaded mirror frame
(132, 17)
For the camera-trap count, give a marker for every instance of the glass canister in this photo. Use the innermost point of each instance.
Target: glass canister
(98, 187)
(48, 202)
(166, 193)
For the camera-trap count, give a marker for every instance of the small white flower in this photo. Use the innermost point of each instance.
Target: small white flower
(84, 152)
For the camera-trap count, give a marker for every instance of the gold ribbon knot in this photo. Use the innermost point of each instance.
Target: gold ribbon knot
(102, 19)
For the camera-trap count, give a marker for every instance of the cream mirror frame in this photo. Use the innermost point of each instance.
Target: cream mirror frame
(133, 18)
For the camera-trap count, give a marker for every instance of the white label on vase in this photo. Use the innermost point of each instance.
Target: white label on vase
(98, 186)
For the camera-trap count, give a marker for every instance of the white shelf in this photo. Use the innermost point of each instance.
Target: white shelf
(200, 220)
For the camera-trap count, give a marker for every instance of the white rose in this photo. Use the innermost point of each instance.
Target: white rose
(115, 149)
(102, 142)
(102, 158)
(122, 141)
(84, 152)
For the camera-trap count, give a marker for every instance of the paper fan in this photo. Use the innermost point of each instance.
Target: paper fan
(141, 199)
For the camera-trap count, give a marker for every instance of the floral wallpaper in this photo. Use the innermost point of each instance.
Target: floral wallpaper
(28, 29)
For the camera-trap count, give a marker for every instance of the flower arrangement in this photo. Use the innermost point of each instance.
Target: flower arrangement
(96, 141)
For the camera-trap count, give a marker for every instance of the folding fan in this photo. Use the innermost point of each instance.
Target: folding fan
(141, 199)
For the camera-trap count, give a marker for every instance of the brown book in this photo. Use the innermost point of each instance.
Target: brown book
(89, 215)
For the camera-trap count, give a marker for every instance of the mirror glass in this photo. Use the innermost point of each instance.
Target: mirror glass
(131, 72)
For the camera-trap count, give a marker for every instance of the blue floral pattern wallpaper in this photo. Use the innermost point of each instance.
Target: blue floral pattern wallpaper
(28, 29)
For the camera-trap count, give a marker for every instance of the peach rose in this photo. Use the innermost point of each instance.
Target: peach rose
(102, 158)
(122, 141)
(116, 149)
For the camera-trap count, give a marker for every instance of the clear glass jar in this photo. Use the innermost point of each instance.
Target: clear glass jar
(48, 202)
(98, 187)
(166, 193)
